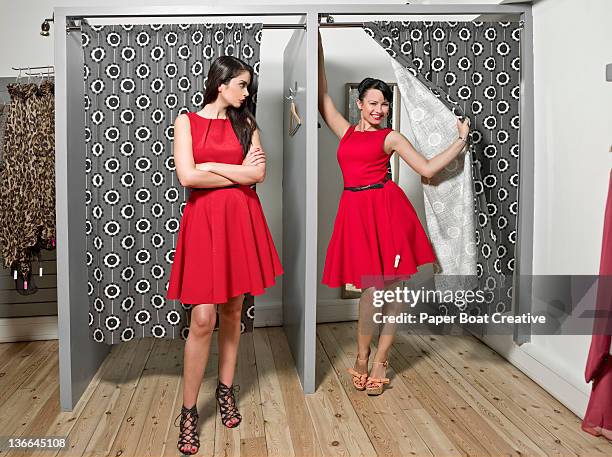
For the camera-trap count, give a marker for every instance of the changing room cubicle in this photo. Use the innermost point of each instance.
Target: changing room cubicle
(80, 355)
(478, 61)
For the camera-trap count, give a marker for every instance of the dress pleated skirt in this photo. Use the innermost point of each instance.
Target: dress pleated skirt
(377, 238)
(224, 248)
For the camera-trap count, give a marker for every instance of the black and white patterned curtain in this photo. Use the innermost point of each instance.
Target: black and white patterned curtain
(138, 79)
(473, 68)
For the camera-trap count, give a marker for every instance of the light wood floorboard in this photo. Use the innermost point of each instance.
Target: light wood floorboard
(448, 396)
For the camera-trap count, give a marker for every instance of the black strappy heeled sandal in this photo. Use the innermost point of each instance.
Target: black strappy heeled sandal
(227, 404)
(188, 435)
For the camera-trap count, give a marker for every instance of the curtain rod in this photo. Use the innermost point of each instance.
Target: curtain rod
(356, 24)
(341, 24)
(238, 14)
(72, 28)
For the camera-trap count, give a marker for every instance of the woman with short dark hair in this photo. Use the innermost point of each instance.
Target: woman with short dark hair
(377, 239)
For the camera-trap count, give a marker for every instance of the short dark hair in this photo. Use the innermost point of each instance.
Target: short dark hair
(373, 83)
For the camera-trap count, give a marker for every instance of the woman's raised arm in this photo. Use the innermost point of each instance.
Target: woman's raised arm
(332, 117)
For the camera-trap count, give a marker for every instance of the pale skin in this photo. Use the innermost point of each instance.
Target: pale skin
(214, 175)
(373, 109)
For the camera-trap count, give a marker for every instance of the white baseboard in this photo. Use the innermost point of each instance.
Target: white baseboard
(268, 314)
(539, 367)
(338, 310)
(14, 329)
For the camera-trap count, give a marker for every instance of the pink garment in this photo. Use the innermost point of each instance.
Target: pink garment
(598, 418)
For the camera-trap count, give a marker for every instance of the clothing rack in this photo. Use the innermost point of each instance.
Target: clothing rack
(50, 70)
(46, 71)
(31, 68)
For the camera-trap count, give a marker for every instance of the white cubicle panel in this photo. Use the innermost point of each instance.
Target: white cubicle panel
(299, 204)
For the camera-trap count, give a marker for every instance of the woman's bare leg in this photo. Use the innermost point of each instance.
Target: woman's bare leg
(197, 348)
(229, 338)
(386, 335)
(365, 329)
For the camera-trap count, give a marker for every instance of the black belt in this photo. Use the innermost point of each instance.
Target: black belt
(376, 185)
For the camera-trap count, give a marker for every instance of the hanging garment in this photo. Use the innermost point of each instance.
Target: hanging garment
(598, 416)
(138, 79)
(224, 246)
(27, 181)
(449, 197)
(377, 235)
(4, 109)
(474, 69)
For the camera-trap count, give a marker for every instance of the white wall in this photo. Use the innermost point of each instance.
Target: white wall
(573, 123)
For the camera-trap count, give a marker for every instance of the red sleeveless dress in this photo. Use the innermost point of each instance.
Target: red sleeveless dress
(377, 236)
(224, 247)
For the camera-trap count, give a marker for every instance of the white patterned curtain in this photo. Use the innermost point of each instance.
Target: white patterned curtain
(449, 196)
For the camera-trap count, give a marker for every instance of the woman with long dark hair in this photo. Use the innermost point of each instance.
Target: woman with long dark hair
(224, 247)
(377, 239)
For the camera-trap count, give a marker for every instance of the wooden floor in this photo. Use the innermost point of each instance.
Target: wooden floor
(448, 396)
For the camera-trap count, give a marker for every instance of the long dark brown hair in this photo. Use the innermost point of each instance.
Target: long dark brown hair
(222, 70)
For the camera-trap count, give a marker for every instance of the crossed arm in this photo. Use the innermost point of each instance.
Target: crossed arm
(213, 174)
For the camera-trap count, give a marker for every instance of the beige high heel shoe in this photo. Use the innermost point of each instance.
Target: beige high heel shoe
(375, 386)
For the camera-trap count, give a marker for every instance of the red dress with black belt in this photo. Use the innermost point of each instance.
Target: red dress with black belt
(377, 236)
(224, 247)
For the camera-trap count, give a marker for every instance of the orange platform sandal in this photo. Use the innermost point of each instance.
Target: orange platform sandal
(359, 379)
(375, 386)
